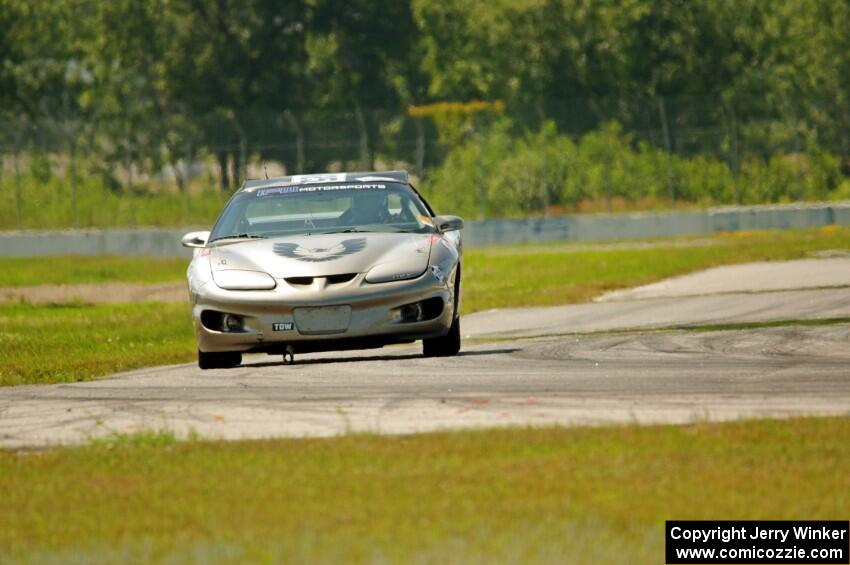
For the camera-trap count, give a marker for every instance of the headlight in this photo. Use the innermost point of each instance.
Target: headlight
(234, 279)
(389, 272)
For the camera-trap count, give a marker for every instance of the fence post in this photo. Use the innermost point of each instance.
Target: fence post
(801, 192)
(69, 129)
(19, 131)
(243, 157)
(733, 134)
(188, 168)
(74, 212)
(420, 148)
(546, 184)
(19, 197)
(364, 138)
(299, 141)
(607, 172)
(128, 156)
(665, 131)
(240, 168)
(480, 178)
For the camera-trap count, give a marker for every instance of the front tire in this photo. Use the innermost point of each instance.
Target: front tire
(224, 360)
(445, 346)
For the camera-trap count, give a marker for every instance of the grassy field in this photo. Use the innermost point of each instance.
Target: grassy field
(49, 204)
(542, 275)
(515, 495)
(32, 271)
(498, 277)
(43, 344)
(50, 344)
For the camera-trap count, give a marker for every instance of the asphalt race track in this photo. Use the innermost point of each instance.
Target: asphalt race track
(624, 359)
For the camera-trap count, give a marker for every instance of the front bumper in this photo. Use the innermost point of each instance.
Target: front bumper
(372, 322)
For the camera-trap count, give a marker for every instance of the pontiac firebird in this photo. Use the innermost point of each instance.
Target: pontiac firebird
(325, 262)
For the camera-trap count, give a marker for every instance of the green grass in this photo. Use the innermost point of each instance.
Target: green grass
(32, 271)
(543, 275)
(47, 204)
(44, 344)
(50, 344)
(499, 277)
(515, 495)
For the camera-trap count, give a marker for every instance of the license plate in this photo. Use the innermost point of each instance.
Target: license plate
(324, 320)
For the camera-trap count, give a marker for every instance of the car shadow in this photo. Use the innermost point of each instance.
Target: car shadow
(382, 357)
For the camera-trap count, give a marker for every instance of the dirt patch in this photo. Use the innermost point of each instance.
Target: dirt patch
(106, 293)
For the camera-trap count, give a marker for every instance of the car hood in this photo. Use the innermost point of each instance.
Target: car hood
(323, 255)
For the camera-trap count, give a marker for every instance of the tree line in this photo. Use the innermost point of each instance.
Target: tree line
(144, 83)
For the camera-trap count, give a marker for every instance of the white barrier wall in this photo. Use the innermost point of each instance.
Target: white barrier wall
(155, 242)
(611, 227)
(598, 227)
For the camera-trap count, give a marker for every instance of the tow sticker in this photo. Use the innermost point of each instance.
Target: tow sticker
(282, 326)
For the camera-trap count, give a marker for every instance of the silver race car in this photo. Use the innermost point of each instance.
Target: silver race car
(325, 262)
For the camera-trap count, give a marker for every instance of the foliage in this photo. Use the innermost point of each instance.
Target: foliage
(454, 120)
(130, 88)
(498, 173)
(580, 495)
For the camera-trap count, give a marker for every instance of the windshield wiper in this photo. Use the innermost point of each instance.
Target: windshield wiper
(241, 236)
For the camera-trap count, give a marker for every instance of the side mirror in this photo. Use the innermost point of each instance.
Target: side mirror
(195, 239)
(448, 223)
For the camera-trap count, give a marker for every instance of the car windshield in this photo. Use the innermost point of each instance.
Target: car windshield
(323, 208)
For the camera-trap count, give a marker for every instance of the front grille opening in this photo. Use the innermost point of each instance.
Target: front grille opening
(211, 320)
(432, 308)
(337, 279)
(300, 281)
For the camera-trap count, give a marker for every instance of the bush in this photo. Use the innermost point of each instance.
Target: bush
(497, 173)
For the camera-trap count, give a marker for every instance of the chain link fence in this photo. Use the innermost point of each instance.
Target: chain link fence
(579, 155)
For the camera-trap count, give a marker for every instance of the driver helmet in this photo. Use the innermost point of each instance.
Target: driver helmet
(370, 207)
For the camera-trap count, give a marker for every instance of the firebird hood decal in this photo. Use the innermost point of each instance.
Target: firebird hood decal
(320, 254)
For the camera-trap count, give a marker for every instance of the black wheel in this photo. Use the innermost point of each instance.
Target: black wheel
(224, 360)
(445, 346)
